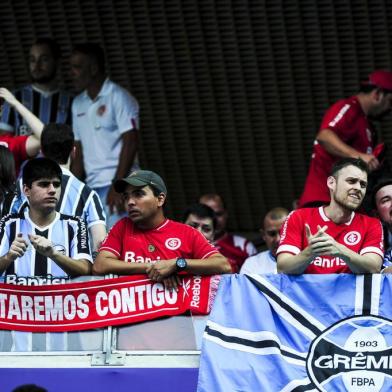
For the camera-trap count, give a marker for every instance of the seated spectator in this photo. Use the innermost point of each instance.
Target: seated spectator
(41, 185)
(265, 262)
(22, 147)
(233, 246)
(146, 242)
(77, 198)
(334, 238)
(202, 218)
(40, 242)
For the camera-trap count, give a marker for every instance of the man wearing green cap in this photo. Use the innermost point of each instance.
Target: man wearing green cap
(146, 242)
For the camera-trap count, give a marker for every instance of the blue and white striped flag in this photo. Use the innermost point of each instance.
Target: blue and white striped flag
(299, 333)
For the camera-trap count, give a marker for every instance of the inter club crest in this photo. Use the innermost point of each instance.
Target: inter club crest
(352, 238)
(173, 243)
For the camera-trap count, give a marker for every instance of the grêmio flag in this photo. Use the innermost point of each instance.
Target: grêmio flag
(299, 333)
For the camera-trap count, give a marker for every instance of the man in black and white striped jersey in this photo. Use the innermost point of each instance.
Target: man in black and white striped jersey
(39, 241)
(76, 198)
(57, 143)
(43, 96)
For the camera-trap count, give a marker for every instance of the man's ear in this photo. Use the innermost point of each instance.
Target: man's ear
(26, 190)
(377, 95)
(331, 183)
(161, 199)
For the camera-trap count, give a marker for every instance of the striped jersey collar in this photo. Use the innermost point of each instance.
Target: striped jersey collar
(27, 217)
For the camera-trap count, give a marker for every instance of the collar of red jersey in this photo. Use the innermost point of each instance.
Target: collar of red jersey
(326, 219)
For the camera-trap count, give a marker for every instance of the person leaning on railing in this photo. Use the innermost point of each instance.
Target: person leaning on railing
(146, 242)
(334, 238)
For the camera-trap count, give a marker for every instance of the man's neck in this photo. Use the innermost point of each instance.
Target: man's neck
(46, 87)
(95, 87)
(42, 218)
(152, 223)
(337, 213)
(364, 102)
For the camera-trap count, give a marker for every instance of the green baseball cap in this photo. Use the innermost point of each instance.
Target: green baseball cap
(140, 178)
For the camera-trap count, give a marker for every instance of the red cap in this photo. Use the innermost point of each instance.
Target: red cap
(381, 79)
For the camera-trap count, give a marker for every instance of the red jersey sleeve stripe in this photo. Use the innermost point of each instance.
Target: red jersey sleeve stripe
(289, 249)
(110, 250)
(372, 249)
(207, 255)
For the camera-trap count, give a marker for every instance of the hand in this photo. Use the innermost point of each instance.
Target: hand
(387, 270)
(322, 243)
(172, 282)
(8, 96)
(42, 245)
(161, 269)
(371, 161)
(18, 247)
(115, 201)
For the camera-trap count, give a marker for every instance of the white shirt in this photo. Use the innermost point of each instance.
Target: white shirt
(262, 263)
(99, 125)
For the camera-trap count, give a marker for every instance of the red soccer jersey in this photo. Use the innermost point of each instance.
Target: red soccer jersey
(168, 241)
(17, 145)
(362, 234)
(347, 119)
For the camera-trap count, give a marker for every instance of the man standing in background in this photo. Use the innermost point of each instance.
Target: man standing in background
(105, 121)
(43, 96)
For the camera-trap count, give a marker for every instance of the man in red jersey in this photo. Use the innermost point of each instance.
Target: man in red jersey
(346, 132)
(146, 242)
(334, 238)
(235, 247)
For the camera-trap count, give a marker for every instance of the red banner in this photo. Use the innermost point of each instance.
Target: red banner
(100, 303)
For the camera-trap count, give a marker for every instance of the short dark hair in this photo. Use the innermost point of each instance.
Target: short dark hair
(201, 211)
(39, 168)
(51, 44)
(93, 51)
(57, 141)
(213, 196)
(357, 162)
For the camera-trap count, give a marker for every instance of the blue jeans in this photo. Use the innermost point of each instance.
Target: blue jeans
(111, 218)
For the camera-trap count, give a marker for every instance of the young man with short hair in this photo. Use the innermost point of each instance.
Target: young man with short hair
(146, 242)
(334, 238)
(60, 245)
(232, 246)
